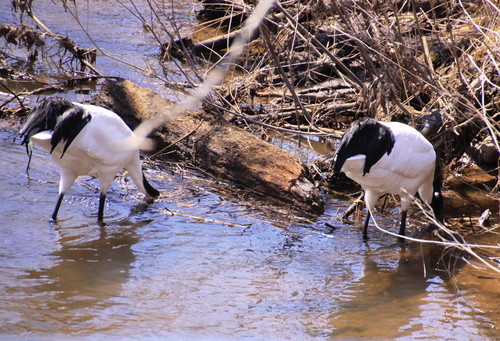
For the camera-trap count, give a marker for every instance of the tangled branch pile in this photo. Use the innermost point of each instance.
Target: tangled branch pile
(318, 65)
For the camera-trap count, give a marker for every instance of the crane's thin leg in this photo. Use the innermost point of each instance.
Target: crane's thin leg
(402, 227)
(100, 213)
(384, 203)
(30, 154)
(365, 227)
(58, 204)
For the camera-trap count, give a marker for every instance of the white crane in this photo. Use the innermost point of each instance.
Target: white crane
(85, 140)
(389, 157)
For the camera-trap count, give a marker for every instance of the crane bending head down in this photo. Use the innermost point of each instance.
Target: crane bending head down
(389, 157)
(84, 140)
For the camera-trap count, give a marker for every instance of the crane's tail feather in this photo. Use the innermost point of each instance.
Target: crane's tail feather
(151, 191)
(437, 201)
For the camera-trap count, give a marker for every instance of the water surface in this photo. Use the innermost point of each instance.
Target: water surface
(217, 268)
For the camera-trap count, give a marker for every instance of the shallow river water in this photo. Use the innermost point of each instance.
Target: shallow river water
(202, 262)
(218, 268)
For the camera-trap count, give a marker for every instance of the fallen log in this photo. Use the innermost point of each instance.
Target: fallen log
(213, 144)
(209, 48)
(224, 13)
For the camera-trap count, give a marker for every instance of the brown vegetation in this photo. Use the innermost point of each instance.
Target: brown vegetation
(319, 65)
(329, 63)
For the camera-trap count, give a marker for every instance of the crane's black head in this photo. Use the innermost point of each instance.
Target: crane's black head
(58, 115)
(365, 136)
(44, 116)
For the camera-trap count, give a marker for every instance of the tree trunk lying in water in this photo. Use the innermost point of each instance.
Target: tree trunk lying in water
(217, 146)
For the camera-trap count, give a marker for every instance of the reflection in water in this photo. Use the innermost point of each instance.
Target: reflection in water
(89, 269)
(386, 301)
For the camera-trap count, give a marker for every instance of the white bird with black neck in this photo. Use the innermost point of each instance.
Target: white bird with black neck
(393, 158)
(85, 140)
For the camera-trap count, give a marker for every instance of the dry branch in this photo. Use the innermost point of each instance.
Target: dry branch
(86, 56)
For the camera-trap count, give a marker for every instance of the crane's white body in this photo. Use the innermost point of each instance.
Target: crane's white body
(85, 140)
(103, 147)
(408, 169)
(389, 157)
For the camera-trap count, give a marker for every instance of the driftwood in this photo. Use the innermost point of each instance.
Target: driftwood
(213, 144)
(209, 48)
(223, 13)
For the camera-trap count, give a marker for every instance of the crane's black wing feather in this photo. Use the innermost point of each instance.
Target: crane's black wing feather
(69, 127)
